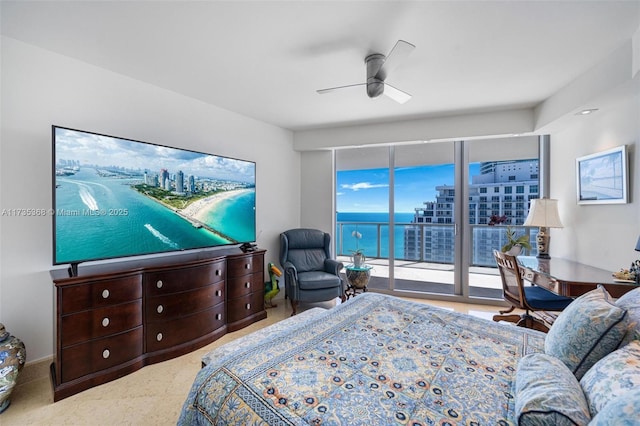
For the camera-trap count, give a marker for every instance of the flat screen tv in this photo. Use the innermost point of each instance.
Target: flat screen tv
(116, 197)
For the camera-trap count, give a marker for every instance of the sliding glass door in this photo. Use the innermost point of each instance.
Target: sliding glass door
(424, 206)
(448, 206)
(363, 216)
(503, 177)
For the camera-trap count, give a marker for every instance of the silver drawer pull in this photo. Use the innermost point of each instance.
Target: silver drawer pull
(159, 284)
(105, 322)
(159, 337)
(159, 309)
(218, 317)
(218, 293)
(247, 285)
(218, 272)
(105, 293)
(247, 266)
(106, 353)
(248, 305)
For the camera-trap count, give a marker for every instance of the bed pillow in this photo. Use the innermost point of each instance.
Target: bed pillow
(547, 393)
(621, 411)
(587, 330)
(631, 302)
(614, 375)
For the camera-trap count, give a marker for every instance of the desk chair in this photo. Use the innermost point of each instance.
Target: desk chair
(310, 275)
(528, 298)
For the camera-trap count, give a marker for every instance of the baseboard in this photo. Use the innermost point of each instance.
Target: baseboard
(35, 370)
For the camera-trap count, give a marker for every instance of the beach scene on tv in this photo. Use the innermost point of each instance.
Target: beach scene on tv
(116, 197)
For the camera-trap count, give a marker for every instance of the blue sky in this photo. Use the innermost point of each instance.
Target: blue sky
(368, 190)
(90, 148)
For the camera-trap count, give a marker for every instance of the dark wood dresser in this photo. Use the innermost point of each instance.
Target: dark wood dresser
(114, 319)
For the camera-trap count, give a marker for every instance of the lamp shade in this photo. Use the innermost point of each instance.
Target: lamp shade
(544, 212)
(638, 245)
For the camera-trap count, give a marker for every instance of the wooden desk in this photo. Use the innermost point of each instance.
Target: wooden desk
(569, 278)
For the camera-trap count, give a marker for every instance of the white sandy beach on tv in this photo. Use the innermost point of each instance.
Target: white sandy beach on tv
(199, 209)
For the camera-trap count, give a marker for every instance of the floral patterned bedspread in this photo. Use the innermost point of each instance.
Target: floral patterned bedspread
(375, 360)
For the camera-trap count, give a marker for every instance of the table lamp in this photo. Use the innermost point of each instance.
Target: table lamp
(544, 214)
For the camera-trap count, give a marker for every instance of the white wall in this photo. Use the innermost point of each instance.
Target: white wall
(600, 235)
(317, 208)
(41, 88)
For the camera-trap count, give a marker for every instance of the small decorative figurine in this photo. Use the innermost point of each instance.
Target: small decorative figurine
(271, 288)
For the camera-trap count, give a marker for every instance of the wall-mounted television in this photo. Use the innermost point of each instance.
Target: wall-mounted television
(116, 197)
(602, 178)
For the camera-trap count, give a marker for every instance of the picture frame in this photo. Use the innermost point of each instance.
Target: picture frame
(603, 177)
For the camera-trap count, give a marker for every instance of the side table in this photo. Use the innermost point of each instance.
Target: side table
(357, 279)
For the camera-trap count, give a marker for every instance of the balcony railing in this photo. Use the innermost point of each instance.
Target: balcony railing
(425, 242)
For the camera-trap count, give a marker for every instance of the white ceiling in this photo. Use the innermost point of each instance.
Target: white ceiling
(265, 59)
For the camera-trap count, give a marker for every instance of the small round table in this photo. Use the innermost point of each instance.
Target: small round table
(357, 279)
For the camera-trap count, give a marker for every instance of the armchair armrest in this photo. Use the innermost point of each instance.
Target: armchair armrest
(290, 271)
(333, 266)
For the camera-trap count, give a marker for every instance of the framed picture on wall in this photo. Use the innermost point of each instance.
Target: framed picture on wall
(602, 178)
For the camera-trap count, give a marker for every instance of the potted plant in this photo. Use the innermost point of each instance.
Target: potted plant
(357, 255)
(515, 244)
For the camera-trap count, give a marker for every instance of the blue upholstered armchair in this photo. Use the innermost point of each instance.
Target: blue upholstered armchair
(310, 275)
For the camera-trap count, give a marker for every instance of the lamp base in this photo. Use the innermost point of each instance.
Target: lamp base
(542, 240)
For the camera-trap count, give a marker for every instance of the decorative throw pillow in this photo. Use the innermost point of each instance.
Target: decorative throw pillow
(631, 302)
(614, 375)
(587, 330)
(621, 411)
(547, 393)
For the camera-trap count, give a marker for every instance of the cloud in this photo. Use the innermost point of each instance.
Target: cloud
(363, 185)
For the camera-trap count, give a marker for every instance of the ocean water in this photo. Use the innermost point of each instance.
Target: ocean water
(98, 218)
(370, 227)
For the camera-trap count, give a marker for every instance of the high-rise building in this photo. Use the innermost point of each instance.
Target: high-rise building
(180, 182)
(503, 188)
(191, 186)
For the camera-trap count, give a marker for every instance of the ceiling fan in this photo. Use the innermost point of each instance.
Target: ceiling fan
(378, 68)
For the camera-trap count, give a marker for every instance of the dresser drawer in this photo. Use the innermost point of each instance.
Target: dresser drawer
(241, 286)
(164, 308)
(101, 322)
(99, 354)
(175, 280)
(245, 306)
(97, 294)
(238, 266)
(162, 335)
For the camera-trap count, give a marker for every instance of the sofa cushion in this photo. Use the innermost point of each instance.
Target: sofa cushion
(587, 330)
(631, 302)
(547, 393)
(614, 375)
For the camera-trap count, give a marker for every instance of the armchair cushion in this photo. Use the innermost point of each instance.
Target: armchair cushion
(316, 280)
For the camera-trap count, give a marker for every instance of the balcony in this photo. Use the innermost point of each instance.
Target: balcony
(424, 255)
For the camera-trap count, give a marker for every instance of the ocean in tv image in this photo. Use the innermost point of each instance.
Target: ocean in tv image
(115, 198)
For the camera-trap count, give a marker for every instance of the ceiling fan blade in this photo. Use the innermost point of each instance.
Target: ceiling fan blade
(396, 94)
(333, 89)
(399, 53)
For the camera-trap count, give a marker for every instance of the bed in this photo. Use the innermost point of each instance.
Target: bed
(374, 360)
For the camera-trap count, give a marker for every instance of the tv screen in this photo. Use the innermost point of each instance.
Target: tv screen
(116, 197)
